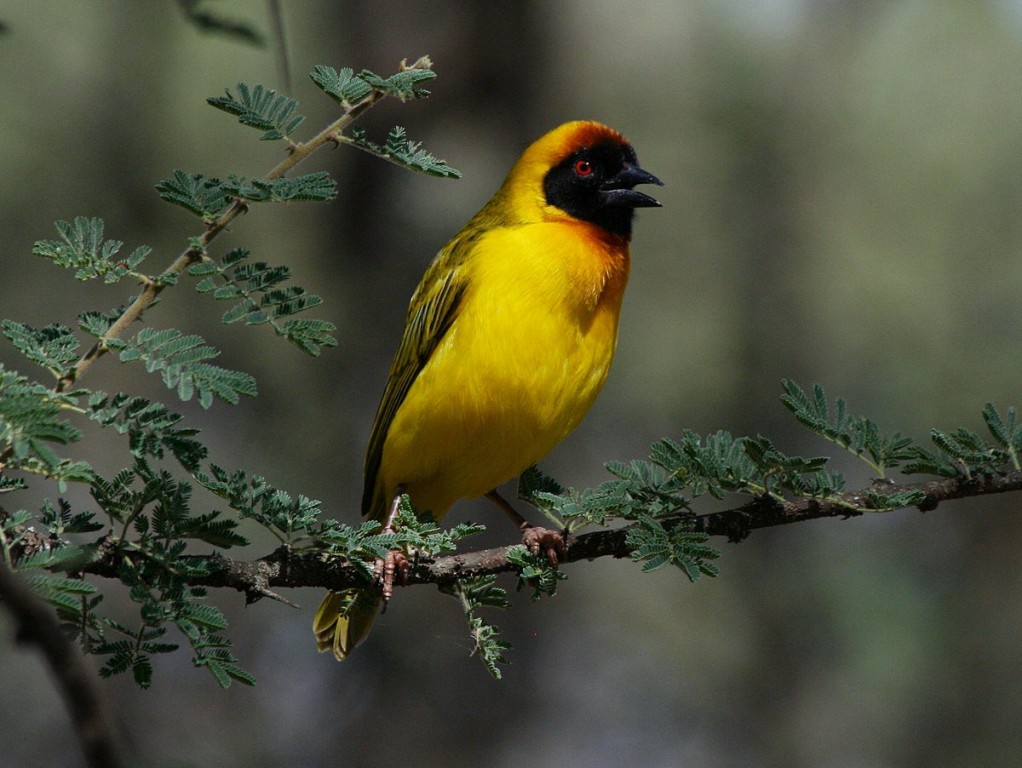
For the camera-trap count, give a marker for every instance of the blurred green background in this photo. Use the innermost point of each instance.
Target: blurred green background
(844, 206)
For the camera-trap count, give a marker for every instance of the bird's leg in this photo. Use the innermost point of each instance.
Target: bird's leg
(395, 564)
(550, 543)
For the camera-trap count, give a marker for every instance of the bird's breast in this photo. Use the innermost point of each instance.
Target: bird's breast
(537, 333)
(520, 366)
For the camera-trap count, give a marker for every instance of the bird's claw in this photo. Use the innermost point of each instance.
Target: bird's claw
(393, 568)
(544, 541)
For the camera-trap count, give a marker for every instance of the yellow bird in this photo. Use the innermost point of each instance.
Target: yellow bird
(507, 342)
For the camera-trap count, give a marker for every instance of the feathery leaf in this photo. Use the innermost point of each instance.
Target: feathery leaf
(261, 108)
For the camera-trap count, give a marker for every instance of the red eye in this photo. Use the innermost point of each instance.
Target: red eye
(583, 168)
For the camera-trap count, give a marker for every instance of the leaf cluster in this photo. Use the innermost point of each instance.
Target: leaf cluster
(276, 117)
(962, 452)
(182, 362)
(655, 495)
(149, 514)
(258, 296)
(148, 524)
(646, 494)
(957, 453)
(402, 151)
(473, 594)
(32, 422)
(209, 198)
(535, 571)
(261, 108)
(349, 89)
(82, 247)
(856, 434)
(418, 536)
(253, 498)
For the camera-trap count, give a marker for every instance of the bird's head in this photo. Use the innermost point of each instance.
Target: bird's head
(583, 171)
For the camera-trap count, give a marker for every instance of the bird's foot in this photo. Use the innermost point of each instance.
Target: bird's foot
(544, 541)
(393, 568)
(537, 540)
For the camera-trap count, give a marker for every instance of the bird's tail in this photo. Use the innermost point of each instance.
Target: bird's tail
(344, 620)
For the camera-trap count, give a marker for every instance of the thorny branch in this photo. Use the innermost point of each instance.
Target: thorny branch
(284, 568)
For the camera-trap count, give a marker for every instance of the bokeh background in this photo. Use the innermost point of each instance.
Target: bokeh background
(843, 206)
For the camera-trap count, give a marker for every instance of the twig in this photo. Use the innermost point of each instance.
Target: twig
(197, 248)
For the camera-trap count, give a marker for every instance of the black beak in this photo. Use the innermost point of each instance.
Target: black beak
(617, 190)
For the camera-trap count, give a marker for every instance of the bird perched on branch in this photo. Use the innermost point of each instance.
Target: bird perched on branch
(507, 342)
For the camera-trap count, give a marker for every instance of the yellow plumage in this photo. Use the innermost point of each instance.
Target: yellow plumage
(514, 374)
(508, 340)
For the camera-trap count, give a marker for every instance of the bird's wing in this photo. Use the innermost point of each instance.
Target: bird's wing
(433, 308)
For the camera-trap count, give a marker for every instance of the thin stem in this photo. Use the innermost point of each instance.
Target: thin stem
(196, 250)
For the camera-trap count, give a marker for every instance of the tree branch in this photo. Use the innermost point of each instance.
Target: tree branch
(37, 624)
(196, 250)
(284, 568)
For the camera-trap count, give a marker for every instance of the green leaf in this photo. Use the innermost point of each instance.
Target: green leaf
(858, 435)
(402, 84)
(349, 89)
(770, 460)
(343, 86)
(142, 671)
(316, 187)
(252, 497)
(488, 645)
(1006, 430)
(81, 244)
(362, 546)
(31, 417)
(212, 530)
(310, 336)
(399, 150)
(203, 615)
(877, 500)
(806, 477)
(535, 571)
(261, 108)
(98, 323)
(475, 593)
(53, 347)
(192, 191)
(60, 520)
(133, 654)
(59, 591)
(957, 454)
(151, 428)
(181, 361)
(59, 556)
(537, 488)
(223, 672)
(8, 483)
(717, 465)
(264, 299)
(654, 546)
(81, 247)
